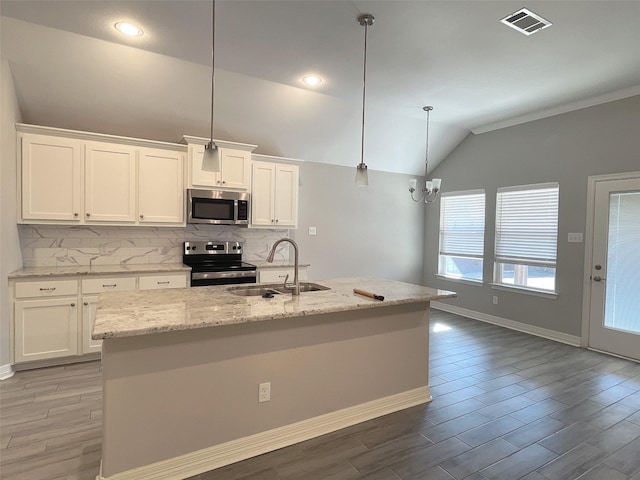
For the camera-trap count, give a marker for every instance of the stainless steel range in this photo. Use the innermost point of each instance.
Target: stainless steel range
(217, 263)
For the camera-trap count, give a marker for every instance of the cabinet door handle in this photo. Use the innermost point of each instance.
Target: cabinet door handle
(75, 214)
(73, 304)
(110, 286)
(223, 182)
(50, 289)
(141, 216)
(277, 220)
(86, 304)
(273, 221)
(88, 214)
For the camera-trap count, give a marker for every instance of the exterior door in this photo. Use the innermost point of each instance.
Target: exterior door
(614, 311)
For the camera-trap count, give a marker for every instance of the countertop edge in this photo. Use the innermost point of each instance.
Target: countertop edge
(100, 270)
(404, 294)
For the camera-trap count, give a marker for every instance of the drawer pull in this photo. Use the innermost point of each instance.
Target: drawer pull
(50, 289)
(86, 304)
(73, 304)
(167, 282)
(110, 286)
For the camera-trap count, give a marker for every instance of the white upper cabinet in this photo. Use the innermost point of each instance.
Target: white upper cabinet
(235, 164)
(263, 194)
(71, 177)
(160, 186)
(51, 178)
(110, 182)
(274, 195)
(286, 204)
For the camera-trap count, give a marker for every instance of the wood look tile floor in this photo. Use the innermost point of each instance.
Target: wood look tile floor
(506, 406)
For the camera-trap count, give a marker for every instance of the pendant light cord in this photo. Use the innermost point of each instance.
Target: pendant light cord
(366, 24)
(213, 70)
(426, 154)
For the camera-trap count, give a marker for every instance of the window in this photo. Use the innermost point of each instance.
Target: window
(527, 237)
(462, 235)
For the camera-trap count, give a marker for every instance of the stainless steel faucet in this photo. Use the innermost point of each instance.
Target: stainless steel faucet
(296, 281)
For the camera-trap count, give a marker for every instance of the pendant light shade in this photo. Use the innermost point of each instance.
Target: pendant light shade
(362, 177)
(211, 158)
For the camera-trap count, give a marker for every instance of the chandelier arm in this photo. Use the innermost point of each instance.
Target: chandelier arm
(420, 200)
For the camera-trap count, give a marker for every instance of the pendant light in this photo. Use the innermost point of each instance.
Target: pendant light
(211, 154)
(362, 177)
(432, 187)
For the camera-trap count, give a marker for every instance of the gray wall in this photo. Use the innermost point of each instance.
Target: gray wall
(374, 231)
(10, 257)
(565, 148)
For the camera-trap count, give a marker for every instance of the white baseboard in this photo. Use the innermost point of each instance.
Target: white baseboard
(512, 324)
(6, 371)
(194, 463)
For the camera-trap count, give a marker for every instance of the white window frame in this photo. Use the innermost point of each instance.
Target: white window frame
(471, 246)
(537, 247)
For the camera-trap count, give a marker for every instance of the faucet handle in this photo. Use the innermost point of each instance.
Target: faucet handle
(285, 281)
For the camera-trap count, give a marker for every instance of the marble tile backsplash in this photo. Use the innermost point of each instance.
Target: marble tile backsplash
(58, 246)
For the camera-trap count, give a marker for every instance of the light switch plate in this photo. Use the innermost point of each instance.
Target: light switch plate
(575, 237)
(312, 230)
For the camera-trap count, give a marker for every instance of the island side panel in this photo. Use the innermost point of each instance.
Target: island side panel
(173, 393)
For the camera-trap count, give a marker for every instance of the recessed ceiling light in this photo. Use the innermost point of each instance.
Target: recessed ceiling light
(129, 29)
(312, 80)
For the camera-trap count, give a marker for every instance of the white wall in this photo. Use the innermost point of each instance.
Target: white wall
(565, 148)
(374, 231)
(10, 257)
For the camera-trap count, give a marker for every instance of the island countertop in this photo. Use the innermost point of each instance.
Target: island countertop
(126, 314)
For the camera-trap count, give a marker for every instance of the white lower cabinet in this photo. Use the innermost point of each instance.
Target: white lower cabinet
(154, 282)
(54, 318)
(89, 305)
(91, 287)
(45, 328)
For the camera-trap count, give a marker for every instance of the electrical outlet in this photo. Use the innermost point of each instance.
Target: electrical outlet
(264, 392)
(495, 299)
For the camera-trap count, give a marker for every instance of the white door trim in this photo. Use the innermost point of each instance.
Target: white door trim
(592, 181)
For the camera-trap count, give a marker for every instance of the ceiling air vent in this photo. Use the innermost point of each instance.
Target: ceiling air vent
(526, 21)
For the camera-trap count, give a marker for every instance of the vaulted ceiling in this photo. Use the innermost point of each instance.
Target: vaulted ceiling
(72, 69)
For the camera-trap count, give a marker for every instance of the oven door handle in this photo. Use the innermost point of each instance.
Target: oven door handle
(217, 275)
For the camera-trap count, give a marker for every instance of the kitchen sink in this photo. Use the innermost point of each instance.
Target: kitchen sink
(253, 291)
(273, 289)
(312, 287)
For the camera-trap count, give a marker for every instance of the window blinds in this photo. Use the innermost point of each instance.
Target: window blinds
(527, 224)
(462, 224)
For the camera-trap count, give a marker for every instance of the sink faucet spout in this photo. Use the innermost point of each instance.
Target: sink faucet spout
(296, 281)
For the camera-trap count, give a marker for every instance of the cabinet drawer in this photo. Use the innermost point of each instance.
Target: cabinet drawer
(46, 288)
(112, 284)
(163, 281)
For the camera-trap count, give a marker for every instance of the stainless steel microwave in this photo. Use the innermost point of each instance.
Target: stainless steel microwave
(217, 207)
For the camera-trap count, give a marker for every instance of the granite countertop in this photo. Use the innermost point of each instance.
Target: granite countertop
(84, 270)
(126, 314)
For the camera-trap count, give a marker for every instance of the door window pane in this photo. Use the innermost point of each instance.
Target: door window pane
(622, 302)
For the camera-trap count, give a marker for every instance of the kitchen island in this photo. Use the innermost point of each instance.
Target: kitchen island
(182, 370)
